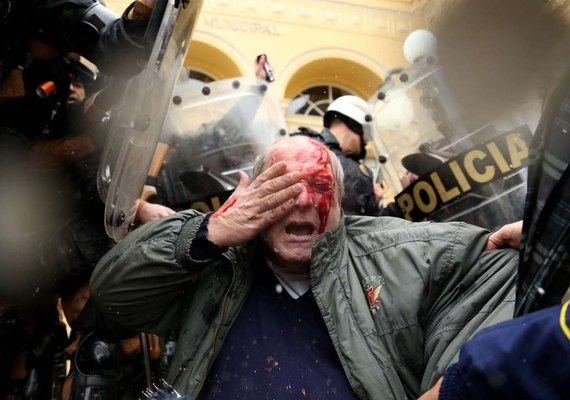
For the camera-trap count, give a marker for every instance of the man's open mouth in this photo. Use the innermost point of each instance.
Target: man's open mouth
(300, 229)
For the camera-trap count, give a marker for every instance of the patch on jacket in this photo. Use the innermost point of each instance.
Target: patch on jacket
(372, 286)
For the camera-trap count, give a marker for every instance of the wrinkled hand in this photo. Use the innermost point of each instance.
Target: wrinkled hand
(433, 393)
(253, 207)
(147, 212)
(508, 236)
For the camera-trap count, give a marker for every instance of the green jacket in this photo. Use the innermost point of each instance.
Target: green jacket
(398, 298)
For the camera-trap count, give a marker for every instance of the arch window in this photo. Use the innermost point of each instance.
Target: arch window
(315, 100)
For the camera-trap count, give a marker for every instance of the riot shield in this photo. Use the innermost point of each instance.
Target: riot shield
(214, 130)
(437, 163)
(138, 120)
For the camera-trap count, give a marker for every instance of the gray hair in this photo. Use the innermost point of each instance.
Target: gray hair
(338, 174)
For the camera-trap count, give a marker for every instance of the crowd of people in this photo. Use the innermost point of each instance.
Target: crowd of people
(299, 285)
(55, 65)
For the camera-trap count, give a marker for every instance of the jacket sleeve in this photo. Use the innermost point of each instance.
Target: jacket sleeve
(467, 289)
(525, 358)
(142, 282)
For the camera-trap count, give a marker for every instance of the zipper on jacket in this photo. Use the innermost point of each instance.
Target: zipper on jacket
(180, 370)
(183, 366)
(222, 317)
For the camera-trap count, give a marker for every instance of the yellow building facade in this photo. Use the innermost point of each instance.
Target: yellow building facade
(323, 48)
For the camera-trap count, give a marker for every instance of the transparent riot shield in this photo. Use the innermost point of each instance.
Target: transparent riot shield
(138, 120)
(437, 163)
(214, 130)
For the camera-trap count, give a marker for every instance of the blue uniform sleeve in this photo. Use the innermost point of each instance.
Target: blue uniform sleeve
(524, 358)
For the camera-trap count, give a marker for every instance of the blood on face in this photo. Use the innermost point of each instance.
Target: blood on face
(312, 162)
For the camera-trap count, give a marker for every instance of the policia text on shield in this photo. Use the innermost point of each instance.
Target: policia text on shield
(472, 169)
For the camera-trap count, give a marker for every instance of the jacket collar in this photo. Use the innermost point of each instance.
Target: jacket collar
(328, 251)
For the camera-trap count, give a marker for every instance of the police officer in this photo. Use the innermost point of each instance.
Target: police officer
(344, 135)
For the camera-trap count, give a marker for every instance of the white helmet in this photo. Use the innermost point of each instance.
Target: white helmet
(351, 107)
